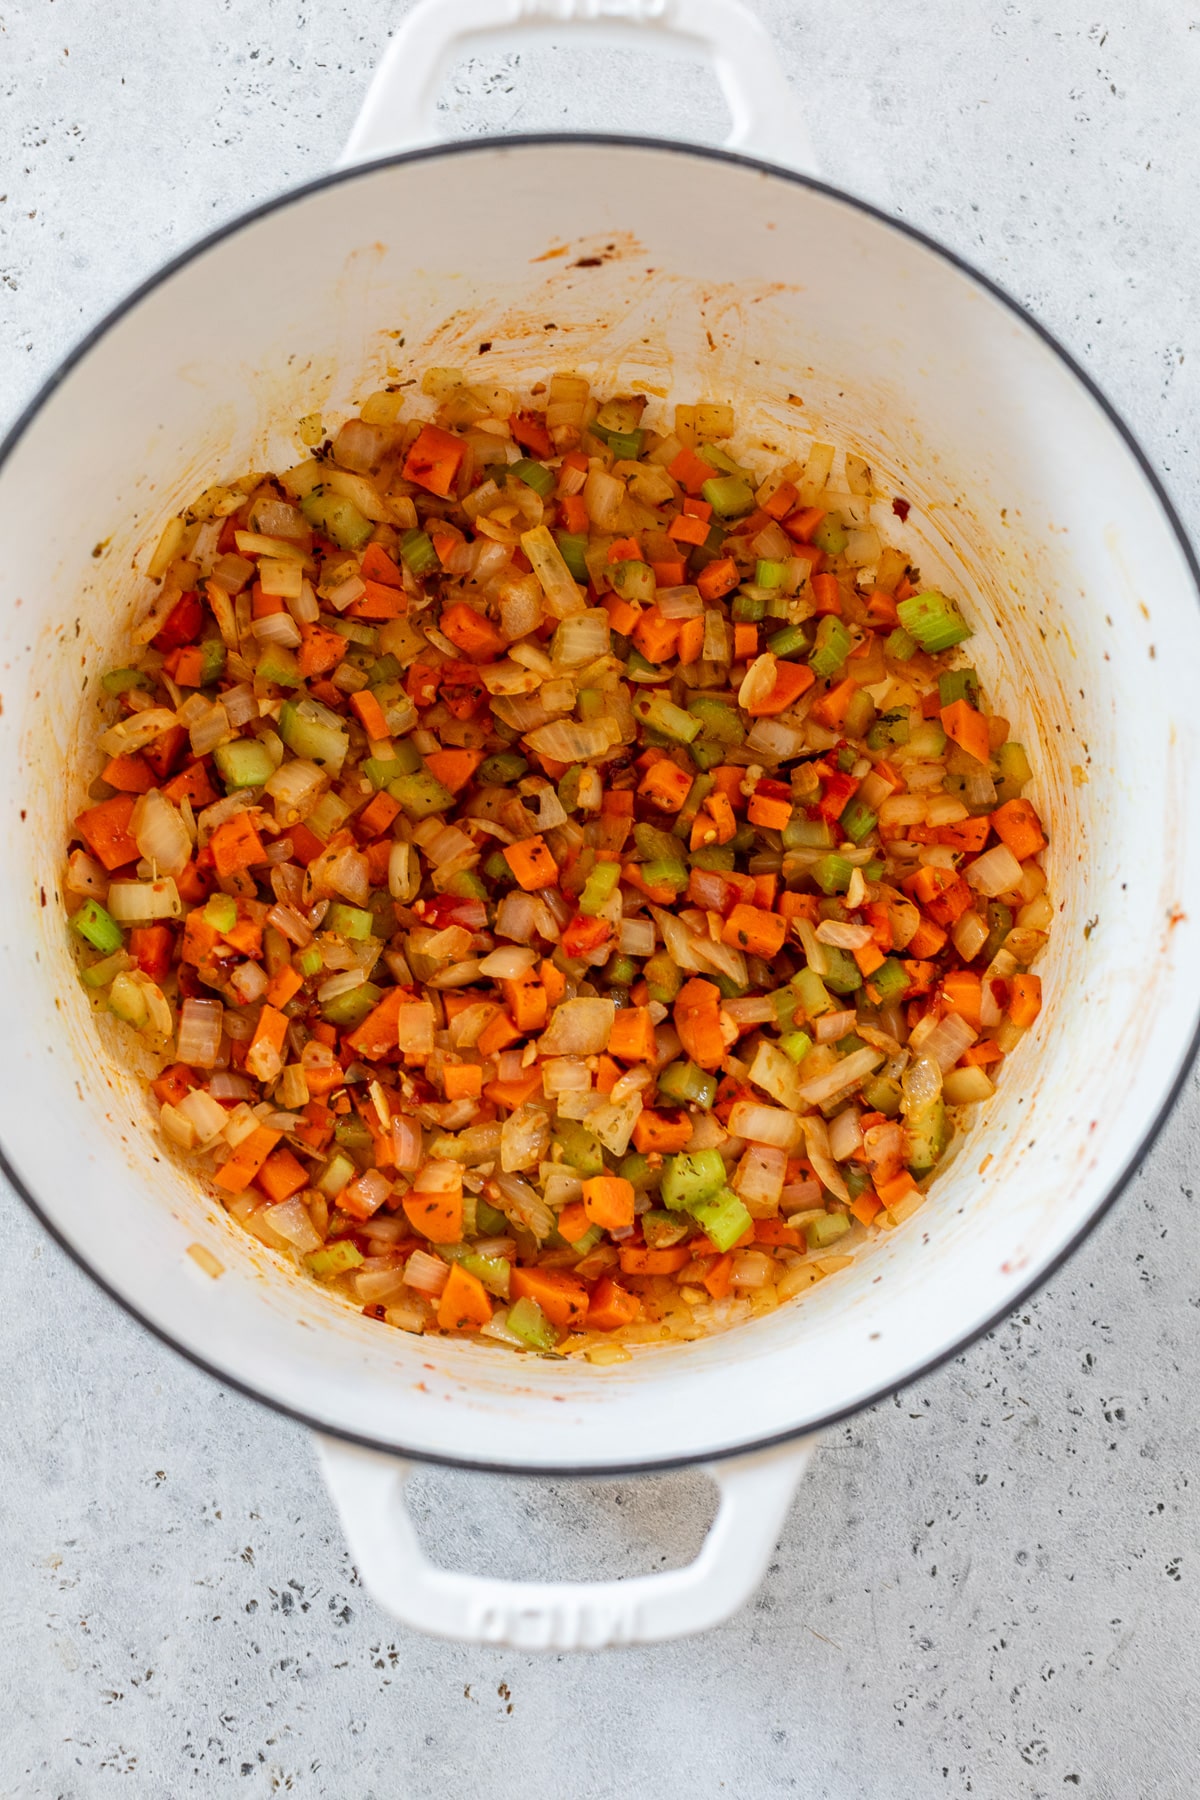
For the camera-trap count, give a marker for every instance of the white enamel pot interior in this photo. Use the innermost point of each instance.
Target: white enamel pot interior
(821, 318)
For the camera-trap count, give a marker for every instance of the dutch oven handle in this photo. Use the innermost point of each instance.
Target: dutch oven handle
(399, 112)
(368, 1490)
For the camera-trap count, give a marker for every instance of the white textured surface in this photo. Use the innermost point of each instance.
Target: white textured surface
(987, 1587)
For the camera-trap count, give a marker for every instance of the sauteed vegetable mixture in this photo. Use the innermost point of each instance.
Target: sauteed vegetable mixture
(569, 870)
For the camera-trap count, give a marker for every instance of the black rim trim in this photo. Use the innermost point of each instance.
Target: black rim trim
(470, 147)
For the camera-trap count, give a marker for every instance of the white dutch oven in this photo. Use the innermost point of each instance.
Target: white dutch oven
(1028, 496)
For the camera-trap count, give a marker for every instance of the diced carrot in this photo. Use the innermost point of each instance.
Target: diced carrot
(473, 634)
(377, 816)
(685, 530)
(745, 643)
(968, 729)
(370, 713)
(655, 1262)
(284, 986)
(105, 831)
(751, 929)
(377, 565)
(691, 640)
(944, 894)
(608, 1073)
(695, 508)
(554, 982)
(200, 939)
(765, 810)
(191, 784)
(881, 609)
(782, 501)
(573, 1221)
(246, 935)
(831, 708)
(532, 863)
(791, 680)
(669, 574)
(575, 514)
(525, 997)
(189, 665)
(802, 523)
(698, 1022)
(281, 1175)
(825, 594)
(963, 994)
(719, 1277)
(463, 1304)
(270, 1028)
(611, 1306)
(241, 1168)
(1024, 999)
(562, 1297)
(453, 768)
(174, 1084)
(378, 1033)
(868, 957)
(621, 615)
(969, 834)
(462, 1081)
(665, 1132)
(1017, 825)
(690, 471)
(632, 1036)
(438, 1217)
(236, 845)
(433, 461)
(927, 940)
(498, 1034)
(529, 429)
(866, 1207)
(151, 947)
(129, 774)
(718, 578)
(982, 1055)
(920, 974)
(378, 602)
(896, 1189)
(317, 1129)
(626, 549)
(774, 1231)
(666, 784)
(608, 1201)
(516, 1092)
(655, 636)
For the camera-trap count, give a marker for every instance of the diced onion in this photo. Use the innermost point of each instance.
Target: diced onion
(764, 1125)
(139, 902)
(578, 1028)
(507, 963)
(200, 1026)
(427, 1274)
(848, 1072)
(566, 740)
(679, 602)
(581, 638)
(160, 833)
(997, 871)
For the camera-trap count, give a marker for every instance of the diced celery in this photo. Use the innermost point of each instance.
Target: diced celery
(723, 1218)
(689, 1179)
(663, 978)
(784, 1001)
(632, 580)
(718, 720)
(119, 681)
(727, 987)
(808, 834)
(830, 536)
(465, 884)
(220, 911)
(351, 1008)
(579, 1148)
(666, 871)
(748, 609)
(348, 921)
(793, 640)
(889, 729)
(620, 971)
(528, 1322)
(502, 769)
(934, 620)
(599, 887)
(489, 1220)
(495, 1272)
(860, 715)
(212, 660)
(663, 1230)
(832, 874)
(857, 821)
(958, 684)
(831, 647)
(278, 664)
(717, 858)
(890, 981)
(311, 730)
(729, 495)
(309, 960)
(99, 974)
(882, 1094)
(638, 669)
(637, 1170)
(385, 669)
(352, 1134)
(420, 794)
(626, 446)
(811, 993)
(333, 1259)
(796, 1044)
(573, 545)
(663, 715)
(337, 518)
(926, 1134)
(900, 645)
(842, 975)
(97, 927)
(417, 552)
(1012, 771)
(769, 574)
(243, 763)
(857, 1179)
(826, 1229)
(334, 1176)
(701, 788)
(688, 1085)
(534, 474)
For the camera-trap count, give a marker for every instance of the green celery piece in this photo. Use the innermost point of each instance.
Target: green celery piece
(748, 609)
(666, 871)
(420, 794)
(717, 858)
(355, 632)
(860, 715)
(927, 1135)
(417, 552)
(882, 1094)
(796, 1045)
(934, 620)
(579, 1148)
(333, 1177)
(689, 1179)
(857, 821)
(651, 842)
(528, 1322)
(769, 574)
(778, 604)
(826, 1229)
(244, 763)
(874, 870)
(958, 684)
(900, 645)
(385, 669)
(890, 981)
(333, 1259)
(278, 664)
(637, 1171)
(311, 730)
(663, 715)
(718, 720)
(830, 537)
(720, 460)
(843, 975)
(599, 887)
(1000, 923)
(663, 1230)
(99, 974)
(663, 977)
(127, 1000)
(97, 927)
(220, 911)
(1012, 771)
(793, 640)
(857, 1179)
(638, 669)
(846, 1046)
(309, 960)
(832, 874)
(119, 681)
(620, 971)
(497, 870)
(465, 885)
(706, 755)
(811, 993)
(350, 1009)
(495, 1272)
(784, 1001)
(890, 728)
(632, 580)
(534, 474)
(502, 769)
(212, 660)
(626, 446)
(808, 834)
(348, 921)
(701, 788)
(728, 988)
(573, 546)
(687, 1085)
(568, 788)
(723, 1217)
(730, 496)
(489, 1220)
(831, 647)
(351, 1133)
(337, 518)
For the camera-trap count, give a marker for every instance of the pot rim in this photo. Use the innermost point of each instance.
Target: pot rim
(526, 140)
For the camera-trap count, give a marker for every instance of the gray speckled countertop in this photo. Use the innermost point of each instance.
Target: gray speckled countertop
(988, 1586)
